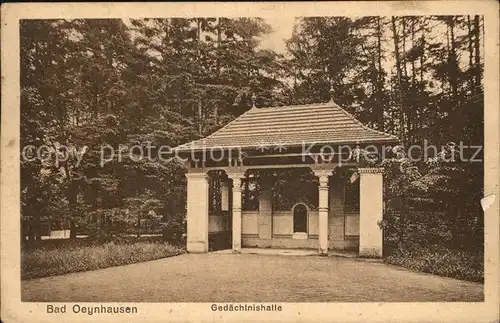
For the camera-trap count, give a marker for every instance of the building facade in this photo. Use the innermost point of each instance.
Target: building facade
(235, 178)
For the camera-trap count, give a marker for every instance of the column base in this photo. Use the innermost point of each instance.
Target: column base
(323, 250)
(370, 252)
(197, 247)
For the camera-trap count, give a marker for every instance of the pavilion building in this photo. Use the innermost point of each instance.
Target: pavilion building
(234, 183)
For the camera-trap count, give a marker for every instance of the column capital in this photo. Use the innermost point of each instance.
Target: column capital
(371, 170)
(236, 177)
(322, 175)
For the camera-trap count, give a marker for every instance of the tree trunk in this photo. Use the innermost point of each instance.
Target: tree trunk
(411, 120)
(198, 29)
(453, 62)
(219, 42)
(38, 227)
(400, 83)
(139, 225)
(422, 56)
(471, 56)
(72, 230)
(413, 75)
(380, 78)
(405, 70)
(401, 221)
(443, 84)
(420, 108)
(200, 118)
(477, 67)
(216, 116)
(456, 111)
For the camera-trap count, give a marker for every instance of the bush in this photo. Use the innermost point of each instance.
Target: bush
(58, 260)
(174, 231)
(440, 261)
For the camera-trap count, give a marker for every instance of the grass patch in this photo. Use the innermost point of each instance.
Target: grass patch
(44, 261)
(441, 261)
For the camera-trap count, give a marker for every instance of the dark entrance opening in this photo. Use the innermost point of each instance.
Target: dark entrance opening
(300, 218)
(220, 239)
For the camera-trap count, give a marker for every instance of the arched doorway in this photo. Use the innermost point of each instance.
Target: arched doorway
(300, 218)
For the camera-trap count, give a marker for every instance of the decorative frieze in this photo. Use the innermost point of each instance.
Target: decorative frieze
(371, 170)
(196, 175)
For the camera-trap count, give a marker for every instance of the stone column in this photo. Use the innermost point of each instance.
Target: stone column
(236, 210)
(224, 203)
(197, 212)
(224, 187)
(371, 212)
(323, 210)
(265, 208)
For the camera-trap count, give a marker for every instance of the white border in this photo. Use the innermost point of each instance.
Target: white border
(14, 310)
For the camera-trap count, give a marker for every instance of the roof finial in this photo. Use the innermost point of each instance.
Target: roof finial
(254, 98)
(331, 91)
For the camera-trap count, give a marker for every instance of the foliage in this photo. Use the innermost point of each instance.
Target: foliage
(93, 82)
(430, 223)
(293, 186)
(152, 82)
(440, 261)
(431, 206)
(413, 76)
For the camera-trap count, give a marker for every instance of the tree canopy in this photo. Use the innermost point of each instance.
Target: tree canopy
(88, 82)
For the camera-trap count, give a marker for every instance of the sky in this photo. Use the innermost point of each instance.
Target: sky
(282, 29)
(282, 26)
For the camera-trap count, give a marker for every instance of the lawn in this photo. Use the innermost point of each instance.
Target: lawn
(62, 257)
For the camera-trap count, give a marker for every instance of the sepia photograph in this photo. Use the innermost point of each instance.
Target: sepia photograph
(248, 162)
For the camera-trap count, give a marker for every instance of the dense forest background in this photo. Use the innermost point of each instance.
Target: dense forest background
(88, 82)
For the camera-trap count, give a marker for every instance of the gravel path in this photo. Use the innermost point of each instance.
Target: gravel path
(250, 278)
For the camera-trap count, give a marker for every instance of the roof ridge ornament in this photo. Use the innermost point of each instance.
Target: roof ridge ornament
(331, 91)
(254, 98)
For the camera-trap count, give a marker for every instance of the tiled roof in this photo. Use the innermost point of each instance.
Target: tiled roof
(291, 126)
